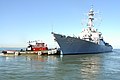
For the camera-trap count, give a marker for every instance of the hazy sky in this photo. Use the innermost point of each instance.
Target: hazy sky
(24, 20)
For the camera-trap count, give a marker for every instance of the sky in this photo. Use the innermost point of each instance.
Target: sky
(28, 20)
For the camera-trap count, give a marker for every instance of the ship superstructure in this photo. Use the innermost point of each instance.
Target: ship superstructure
(90, 33)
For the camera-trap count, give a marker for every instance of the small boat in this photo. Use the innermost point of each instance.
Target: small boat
(8, 51)
(34, 47)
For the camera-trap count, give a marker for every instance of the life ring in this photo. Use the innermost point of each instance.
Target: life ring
(17, 53)
(39, 53)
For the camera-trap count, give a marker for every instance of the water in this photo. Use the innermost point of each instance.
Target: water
(65, 67)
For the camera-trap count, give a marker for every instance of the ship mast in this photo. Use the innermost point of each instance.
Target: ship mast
(90, 18)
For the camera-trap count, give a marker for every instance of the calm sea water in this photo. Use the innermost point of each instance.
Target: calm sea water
(105, 66)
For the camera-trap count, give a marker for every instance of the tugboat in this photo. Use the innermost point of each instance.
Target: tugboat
(89, 41)
(35, 47)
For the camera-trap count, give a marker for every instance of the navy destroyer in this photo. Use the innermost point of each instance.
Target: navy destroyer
(89, 41)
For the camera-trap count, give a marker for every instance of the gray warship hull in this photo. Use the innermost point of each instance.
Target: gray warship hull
(73, 45)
